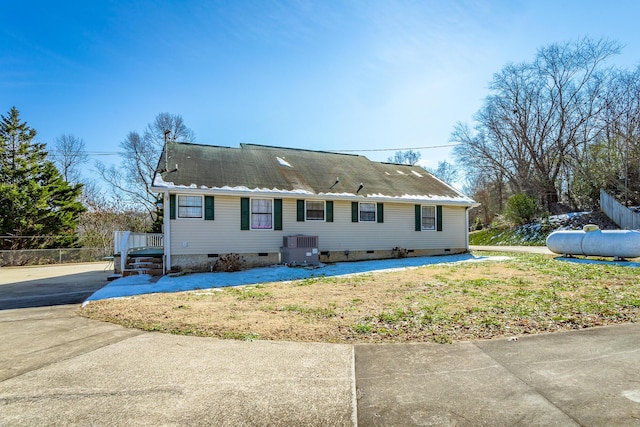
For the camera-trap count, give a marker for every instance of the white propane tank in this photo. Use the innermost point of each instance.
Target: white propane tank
(592, 241)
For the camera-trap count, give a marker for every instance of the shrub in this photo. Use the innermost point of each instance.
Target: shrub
(500, 222)
(399, 252)
(520, 208)
(229, 263)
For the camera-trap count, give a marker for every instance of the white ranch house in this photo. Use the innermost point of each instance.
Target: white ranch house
(261, 202)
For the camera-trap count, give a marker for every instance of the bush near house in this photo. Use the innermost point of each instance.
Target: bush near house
(520, 208)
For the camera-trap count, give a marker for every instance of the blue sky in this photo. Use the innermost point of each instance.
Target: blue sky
(324, 74)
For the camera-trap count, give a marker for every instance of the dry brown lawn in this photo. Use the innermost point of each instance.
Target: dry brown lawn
(440, 303)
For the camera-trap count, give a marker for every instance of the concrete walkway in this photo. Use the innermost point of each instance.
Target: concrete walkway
(523, 249)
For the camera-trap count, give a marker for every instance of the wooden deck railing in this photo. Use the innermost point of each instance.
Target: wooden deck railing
(137, 240)
(125, 241)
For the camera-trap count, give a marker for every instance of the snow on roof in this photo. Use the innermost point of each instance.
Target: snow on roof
(424, 197)
(283, 162)
(159, 182)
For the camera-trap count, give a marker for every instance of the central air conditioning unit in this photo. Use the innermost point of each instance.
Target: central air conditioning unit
(300, 250)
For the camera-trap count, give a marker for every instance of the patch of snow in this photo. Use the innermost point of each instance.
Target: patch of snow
(426, 197)
(142, 284)
(159, 182)
(400, 172)
(343, 194)
(283, 162)
(228, 189)
(463, 200)
(244, 189)
(567, 216)
(416, 173)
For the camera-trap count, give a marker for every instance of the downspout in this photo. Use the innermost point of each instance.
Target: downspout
(167, 231)
(466, 220)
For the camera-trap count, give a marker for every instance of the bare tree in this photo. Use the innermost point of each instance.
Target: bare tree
(540, 117)
(140, 153)
(408, 157)
(623, 132)
(446, 172)
(106, 213)
(69, 155)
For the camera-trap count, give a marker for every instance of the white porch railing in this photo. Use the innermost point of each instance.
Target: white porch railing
(137, 240)
(124, 241)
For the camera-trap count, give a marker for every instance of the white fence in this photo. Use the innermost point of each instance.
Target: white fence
(137, 240)
(620, 214)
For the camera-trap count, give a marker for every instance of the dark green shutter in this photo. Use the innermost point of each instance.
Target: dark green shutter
(418, 218)
(354, 211)
(244, 213)
(439, 217)
(329, 205)
(277, 214)
(300, 210)
(208, 208)
(380, 215)
(172, 206)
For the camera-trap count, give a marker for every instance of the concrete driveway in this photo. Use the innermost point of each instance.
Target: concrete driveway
(49, 285)
(57, 368)
(60, 369)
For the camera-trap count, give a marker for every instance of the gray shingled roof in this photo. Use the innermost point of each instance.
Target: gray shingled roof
(257, 168)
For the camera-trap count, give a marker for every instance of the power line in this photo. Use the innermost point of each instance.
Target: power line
(397, 149)
(118, 153)
(38, 237)
(91, 153)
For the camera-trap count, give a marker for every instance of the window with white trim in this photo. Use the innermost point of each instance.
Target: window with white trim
(314, 210)
(428, 217)
(189, 206)
(261, 214)
(367, 212)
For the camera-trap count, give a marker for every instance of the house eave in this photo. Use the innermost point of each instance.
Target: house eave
(297, 194)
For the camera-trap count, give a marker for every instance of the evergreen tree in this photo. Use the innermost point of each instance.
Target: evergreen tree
(34, 198)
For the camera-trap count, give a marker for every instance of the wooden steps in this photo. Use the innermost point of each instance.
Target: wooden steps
(143, 265)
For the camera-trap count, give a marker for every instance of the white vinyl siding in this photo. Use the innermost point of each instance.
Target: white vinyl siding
(398, 230)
